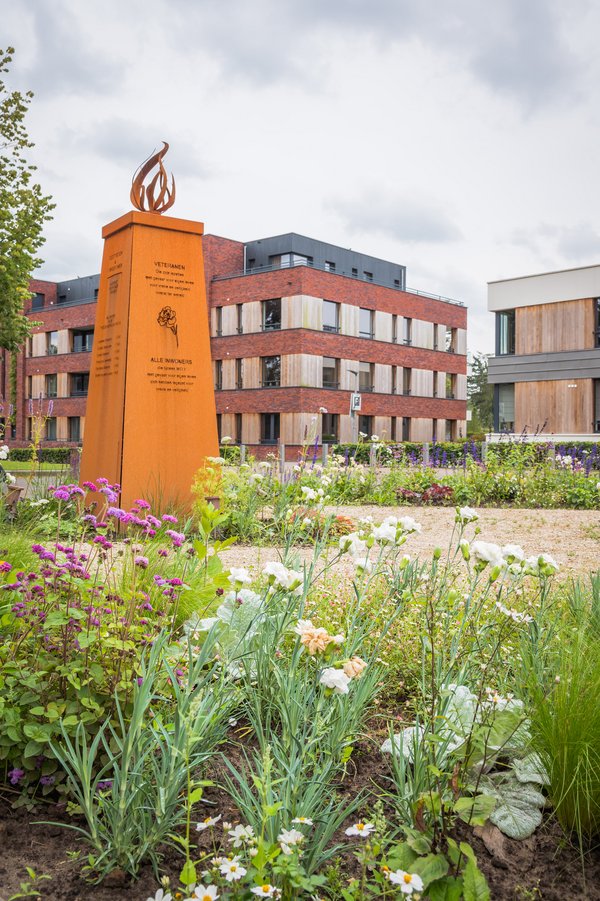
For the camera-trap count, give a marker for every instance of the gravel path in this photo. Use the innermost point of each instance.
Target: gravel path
(571, 536)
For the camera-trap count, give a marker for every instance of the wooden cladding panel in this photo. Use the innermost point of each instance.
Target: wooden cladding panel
(552, 327)
(420, 430)
(555, 406)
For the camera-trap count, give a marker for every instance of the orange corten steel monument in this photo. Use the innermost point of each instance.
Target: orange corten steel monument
(151, 417)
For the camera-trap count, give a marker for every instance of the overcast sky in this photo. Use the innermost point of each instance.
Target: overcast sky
(457, 137)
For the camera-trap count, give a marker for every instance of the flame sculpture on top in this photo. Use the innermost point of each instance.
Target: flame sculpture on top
(156, 196)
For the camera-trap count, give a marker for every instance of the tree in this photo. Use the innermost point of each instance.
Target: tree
(23, 212)
(480, 394)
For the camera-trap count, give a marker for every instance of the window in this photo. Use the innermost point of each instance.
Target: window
(597, 405)
(79, 384)
(406, 380)
(37, 302)
(51, 428)
(506, 408)
(434, 430)
(366, 323)
(451, 340)
(51, 385)
(406, 428)
(331, 316)
(271, 314)
(82, 340)
(219, 321)
(271, 372)
(29, 348)
(331, 372)
(368, 276)
(394, 329)
(239, 373)
(365, 376)
(238, 428)
(330, 428)
(250, 264)
(290, 259)
(354, 272)
(74, 428)
(218, 375)
(505, 332)
(269, 428)
(219, 426)
(450, 385)
(396, 283)
(436, 336)
(407, 331)
(239, 313)
(29, 428)
(51, 342)
(365, 425)
(29, 394)
(394, 429)
(435, 384)
(329, 266)
(450, 423)
(394, 379)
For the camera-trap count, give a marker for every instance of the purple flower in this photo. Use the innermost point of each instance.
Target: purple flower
(168, 518)
(47, 780)
(104, 785)
(162, 552)
(141, 561)
(102, 481)
(175, 581)
(62, 494)
(5, 567)
(15, 775)
(90, 486)
(139, 680)
(143, 505)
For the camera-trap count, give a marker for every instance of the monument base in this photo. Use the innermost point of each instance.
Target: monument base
(151, 417)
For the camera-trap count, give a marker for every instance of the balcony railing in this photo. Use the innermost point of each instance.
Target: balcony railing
(332, 386)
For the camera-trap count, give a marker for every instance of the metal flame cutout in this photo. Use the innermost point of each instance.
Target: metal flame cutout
(156, 196)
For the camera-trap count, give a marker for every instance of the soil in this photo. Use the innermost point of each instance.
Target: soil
(545, 867)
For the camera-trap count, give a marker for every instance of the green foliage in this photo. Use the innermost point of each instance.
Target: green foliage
(480, 393)
(45, 454)
(23, 212)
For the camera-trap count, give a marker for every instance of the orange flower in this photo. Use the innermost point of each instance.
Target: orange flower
(354, 667)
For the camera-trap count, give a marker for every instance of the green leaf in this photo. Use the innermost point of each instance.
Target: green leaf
(475, 811)
(430, 867)
(37, 733)
(32, 749)
(196, 795)
(475, 887)
(188, 874)
(419, 842)
(448, 889)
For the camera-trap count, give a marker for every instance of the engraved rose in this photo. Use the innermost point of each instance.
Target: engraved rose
(168, 318)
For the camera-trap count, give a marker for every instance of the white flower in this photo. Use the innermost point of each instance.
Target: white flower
(42, 501)
(309, 493)
(226, 439)
(279, 575)
(408, 882)
(353, 544)
(239, 576)
(363, 564)
(466, 514)
(10, 478)
(256, 477)
(207, 823)
(514, 614)
(240, 835)
(336, 679)
(322, 409)
(160, 894)
(409, 524)
(485, 552)
(361, 829)
(4, 451)
(362, 434)
(385, 533)
(264, 465)
(304, 821)
(232, 870)
(289, 838)
(513, 553)
(541, 565)
(264, 891)
(217, 460)
(374, 437)
(205, 893)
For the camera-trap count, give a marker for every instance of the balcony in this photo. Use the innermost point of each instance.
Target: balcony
(331, 386)
(271, 383)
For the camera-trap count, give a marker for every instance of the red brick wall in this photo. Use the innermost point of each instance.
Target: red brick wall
(289, 400)
(329, 285)
(306, 341)
(222, 256)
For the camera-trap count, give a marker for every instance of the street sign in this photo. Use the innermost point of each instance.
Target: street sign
(355, 402)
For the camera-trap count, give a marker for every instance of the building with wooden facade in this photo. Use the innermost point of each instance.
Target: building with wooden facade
(546, 369)
(297, 327)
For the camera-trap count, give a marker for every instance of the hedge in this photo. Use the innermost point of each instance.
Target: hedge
(44, 454)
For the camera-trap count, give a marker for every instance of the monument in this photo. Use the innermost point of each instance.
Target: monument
(151, 417)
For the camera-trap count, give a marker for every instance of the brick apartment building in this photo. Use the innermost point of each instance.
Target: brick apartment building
(297, 326)
(546, 371)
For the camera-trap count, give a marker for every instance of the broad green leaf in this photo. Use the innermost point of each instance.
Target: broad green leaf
(475, 811)
(430, 867)
(188, 874)
(475, 887)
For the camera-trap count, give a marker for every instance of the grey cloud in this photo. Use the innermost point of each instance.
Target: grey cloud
(561, 243)
(516, 48)
(401, 218)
